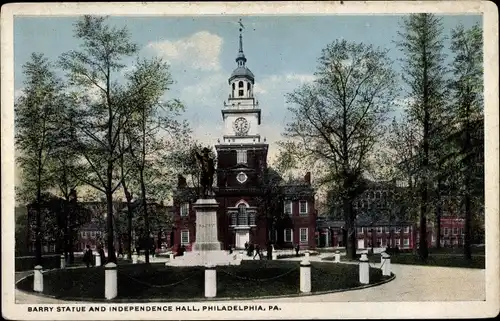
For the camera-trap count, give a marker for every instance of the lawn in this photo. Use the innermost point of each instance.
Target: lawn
(159, 282)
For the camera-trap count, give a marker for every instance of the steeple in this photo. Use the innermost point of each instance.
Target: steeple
(241, 59)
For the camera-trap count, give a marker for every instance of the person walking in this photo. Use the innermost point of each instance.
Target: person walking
(257, 252)
(87, 256)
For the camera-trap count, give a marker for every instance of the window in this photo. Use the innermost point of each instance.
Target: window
(461, 231)
(242, 215)
(240, 84)
(455, 231)
(379, 230)
(184, 237)
(397, 242)
(184, 209)
(379, 242)
(288, 235)
(240, 93)
(241, 178)
(288, 207)
(248, 86)
(445, 231)
(92, 233)
(241, 156)
(406, 242)
(377, 195)
(233, 86)
(303, 207)
(406, 229)
(386, 229)
(251, 218)
(303, 235)
(234, 218)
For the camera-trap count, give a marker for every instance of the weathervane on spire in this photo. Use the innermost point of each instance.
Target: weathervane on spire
(241, 25)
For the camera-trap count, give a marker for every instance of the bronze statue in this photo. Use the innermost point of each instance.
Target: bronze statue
(207, 173)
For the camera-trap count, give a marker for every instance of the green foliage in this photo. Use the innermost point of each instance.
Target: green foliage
(36, 115)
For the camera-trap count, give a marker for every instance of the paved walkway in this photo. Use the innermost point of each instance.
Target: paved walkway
(412, 283)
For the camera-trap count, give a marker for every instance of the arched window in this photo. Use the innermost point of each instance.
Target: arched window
(248, 86)
(240, 84)
(242, 215)
(234, 86)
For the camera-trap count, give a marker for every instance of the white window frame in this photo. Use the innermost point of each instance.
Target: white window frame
(184, 210)
(445, 231)
(290, 204)
(184, 232)
(398, 242)
(387, 229)
(406, 229)
(379, 229)
(300, 207)
(406, 242)
(301, 230)
(455, 231)
(380, 242)
(241, 156)
(461, 231)
(291, 235)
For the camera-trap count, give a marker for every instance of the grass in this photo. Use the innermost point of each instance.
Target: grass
(157, 281)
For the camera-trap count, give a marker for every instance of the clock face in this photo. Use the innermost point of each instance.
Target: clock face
(241, 126)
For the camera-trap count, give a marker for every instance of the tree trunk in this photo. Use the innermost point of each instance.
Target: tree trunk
(351, 232)
(38, 229)
(469, 170)
(109, 223)
(146, 217)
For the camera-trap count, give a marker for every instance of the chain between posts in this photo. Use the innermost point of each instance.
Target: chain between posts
(163, 285)
(259, 280)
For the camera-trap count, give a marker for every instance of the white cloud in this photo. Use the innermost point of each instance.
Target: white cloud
(198, 51)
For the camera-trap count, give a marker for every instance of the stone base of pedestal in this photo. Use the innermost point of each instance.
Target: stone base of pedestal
(213, 246)
(205, 258)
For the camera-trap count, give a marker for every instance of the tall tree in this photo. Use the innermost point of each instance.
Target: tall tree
(337, 119)
(151, 130)
(36, 122)
(99, 113)
(424, 72)
(467, 89)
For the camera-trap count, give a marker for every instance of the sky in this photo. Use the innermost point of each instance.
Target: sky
(282, 53)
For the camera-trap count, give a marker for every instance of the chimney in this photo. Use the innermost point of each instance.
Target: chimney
(307, 178)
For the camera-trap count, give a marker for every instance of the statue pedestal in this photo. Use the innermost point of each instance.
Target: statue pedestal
(207, 248)
(206, 225)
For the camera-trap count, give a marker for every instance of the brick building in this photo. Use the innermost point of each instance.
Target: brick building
(241, 164)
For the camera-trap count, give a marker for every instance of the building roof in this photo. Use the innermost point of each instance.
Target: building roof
(242, 72)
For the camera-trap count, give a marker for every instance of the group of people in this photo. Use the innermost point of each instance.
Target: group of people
(88, 256)
(255, 250)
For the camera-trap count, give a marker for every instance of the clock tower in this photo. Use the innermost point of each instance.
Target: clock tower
(241, 156)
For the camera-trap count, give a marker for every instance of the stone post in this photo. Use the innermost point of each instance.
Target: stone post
(110, 281)
(305, 275)
(97, 259)
(210, 281)
(171, 256)
(364, 270)
(63, 262)
(337, 257)
(307, 255)
(38, 279)
(134, 258)
(386, 264)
